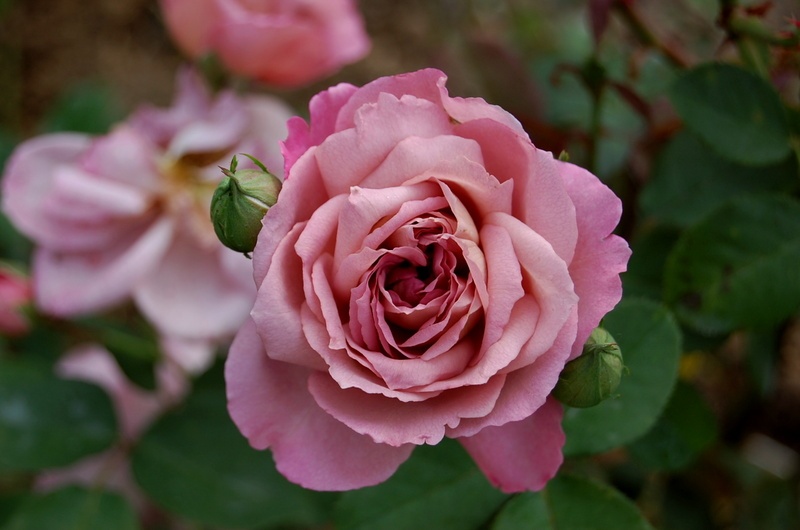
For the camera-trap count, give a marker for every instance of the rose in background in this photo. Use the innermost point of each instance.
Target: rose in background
(280, 42)
(135, 409)
(15, 294)
(126, 215)
(426, 272)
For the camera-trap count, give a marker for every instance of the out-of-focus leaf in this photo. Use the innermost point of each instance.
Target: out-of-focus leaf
(738, 267)
(194, 462)
(88, 108)
(771, 505)
(74, 508)
(438, 487)
(762, 352)
(571, 503)
(645, 273)
(13, 245)
(736, 112)
(686, 428)
(134, 347)
(50, 422)
(650, 341)
(690, 180)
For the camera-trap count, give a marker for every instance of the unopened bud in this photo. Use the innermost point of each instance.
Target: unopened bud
(240, 202)
(594, 376)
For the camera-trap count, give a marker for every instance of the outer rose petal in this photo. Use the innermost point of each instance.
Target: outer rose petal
(190, 23)
(522, 455)
(66, 284)
(599, 257)
(269, 402)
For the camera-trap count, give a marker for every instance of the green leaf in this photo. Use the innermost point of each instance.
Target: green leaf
(438, 487)
(736, 112)
(571, 503)
(50, 422)
(650, 341)
(686, 428)
(194, 462)
(690, 180)
(738, 267)
(74, 508)
(86, 107)
(645, 273)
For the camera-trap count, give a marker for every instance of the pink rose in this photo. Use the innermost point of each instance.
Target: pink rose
(426, 272)
(127, 215)
(15, 294)
(280, 42)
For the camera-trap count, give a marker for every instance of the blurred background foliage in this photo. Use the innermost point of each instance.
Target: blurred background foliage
(688, 109)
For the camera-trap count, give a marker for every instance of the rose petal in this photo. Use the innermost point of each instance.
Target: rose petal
(193, 295)
(270, 404)
(69, 284)
(390, 421)
(523, 455)
(599, 256)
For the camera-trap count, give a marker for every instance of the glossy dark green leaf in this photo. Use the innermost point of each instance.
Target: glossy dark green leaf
(738, 267)
(438, 487)
(735, 111)
(690, 180)
(195, 463)
(74, 508)
(50, 422)
(686, 428)
(571, 503)
(650, 341)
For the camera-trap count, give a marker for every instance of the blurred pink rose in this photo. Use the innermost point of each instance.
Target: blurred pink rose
(127, 215)
(135, 408)
(426, 272)
(15, 294)
(280, 42)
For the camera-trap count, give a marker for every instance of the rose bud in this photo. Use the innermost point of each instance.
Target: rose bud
(594, 376)
(240, 202)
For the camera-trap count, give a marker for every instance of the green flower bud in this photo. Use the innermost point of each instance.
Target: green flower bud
(594, 376)
(240, 202)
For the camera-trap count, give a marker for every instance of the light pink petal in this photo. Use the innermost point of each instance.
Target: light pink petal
(378, 129)
(193, 294)
(299, 198)
(277, 309)
(216, 131)
(599, 257)
(416, 156)
(69, 284)
(422, 84)
(28, 178)
(193, 356)
(269, 402)
(464, 110)
(192, 100)
(124, 155)
(391, 421)
(324, 109)
(523, 455)
(540, 198)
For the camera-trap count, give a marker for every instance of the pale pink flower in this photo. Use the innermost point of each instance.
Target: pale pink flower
(426, 272)
(126, 215)
(15, 294)
(280, 42)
